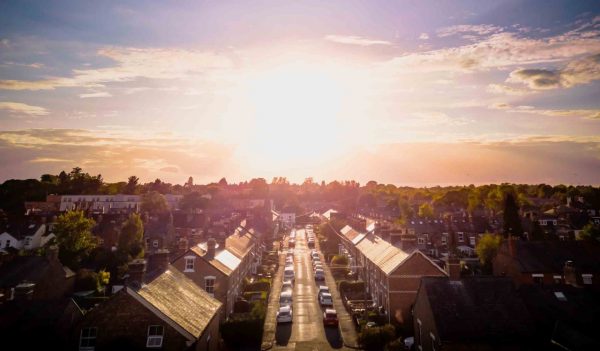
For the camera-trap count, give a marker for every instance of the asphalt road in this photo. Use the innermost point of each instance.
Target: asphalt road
(306, 332)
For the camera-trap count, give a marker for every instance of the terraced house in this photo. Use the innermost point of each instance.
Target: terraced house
(220, 269)
(392, 275)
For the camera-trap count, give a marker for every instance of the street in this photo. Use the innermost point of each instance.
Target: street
(307, 331)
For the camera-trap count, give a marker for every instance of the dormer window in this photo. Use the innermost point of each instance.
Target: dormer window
(560, 296)
(189, 263)
(155, 336)
(461, 237)
(587, 279)
(87, 339)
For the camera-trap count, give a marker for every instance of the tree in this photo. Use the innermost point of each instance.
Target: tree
(341, 260)
(590, 232)
(74, 236)
(189, 183)
(426, 211)
(131, 239)
(131, 186)
(512, 220)
(154, 202)
(537, 233)
(193, 201)
(487, 248)
(223, 182)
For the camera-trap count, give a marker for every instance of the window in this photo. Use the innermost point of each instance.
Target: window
(557, 279)
(560, 296)
(7, 243)
(538, 278)
(472, 240)
(587, 279)
(209, 285)
(87, 340)
(189, 264)
(155, 336)
(444, 239)
(421, 240)
(461, 237)
(155, 243)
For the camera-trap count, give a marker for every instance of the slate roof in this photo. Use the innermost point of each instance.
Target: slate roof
(240, 242)
(383, 254)
(550, 256)
(200, 250)
(23, 268)
(352, 235)
(476, 308)
(20, 230)
(181, 300)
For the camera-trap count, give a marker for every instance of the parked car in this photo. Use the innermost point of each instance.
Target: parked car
(285, 298)
(287, 286)
(319, 275)
(318, 266)
(284, 315)
(288, 273)
(322, 289)
(292, 243)
(330, 317)
(325, 299)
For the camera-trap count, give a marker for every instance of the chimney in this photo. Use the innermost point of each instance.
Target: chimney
(159, 261)
(569, 273)
(136, 270)
(210, 248)
(453, 267)
(52, 253)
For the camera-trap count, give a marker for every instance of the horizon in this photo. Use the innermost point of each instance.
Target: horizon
(413, 93)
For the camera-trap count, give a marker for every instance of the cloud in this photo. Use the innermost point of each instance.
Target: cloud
(581, 71)
(20, 109)
(575, 113)
(507, 90)
(499, 51)
(115, 154)
(438, 118)
(355, 40)
(424, 36)
(479, 29)
(98, 94)
(131, 64)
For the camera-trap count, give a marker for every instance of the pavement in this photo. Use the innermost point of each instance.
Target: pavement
(306, 332)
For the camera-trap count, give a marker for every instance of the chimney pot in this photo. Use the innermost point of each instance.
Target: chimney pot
(136, 270)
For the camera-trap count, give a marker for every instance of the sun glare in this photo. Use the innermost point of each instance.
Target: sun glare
(295, 111)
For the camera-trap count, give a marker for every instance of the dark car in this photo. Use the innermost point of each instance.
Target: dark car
(330, 318)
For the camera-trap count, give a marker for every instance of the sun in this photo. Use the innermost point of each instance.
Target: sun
(296, 109)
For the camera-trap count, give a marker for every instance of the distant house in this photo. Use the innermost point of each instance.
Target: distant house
(285, 219)
(26, 236)
(159, 232)
(549, 262)
(35, 277)
(168, 312)
(476, 313)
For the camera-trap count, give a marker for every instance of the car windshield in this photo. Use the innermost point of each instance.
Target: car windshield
(331, 315)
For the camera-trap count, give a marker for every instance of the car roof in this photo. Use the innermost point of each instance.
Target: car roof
(330, 310)
(321, 287)
(286, 293)
(326, 294)
(285, 308)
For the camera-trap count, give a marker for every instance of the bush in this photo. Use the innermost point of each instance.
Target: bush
(261, 285)
(348, 286)
(242, 331)
(377, 337)
(395, 345)
(340, 260)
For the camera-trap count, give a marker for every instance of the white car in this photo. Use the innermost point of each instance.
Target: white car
(325, 299)
(318, 266)
(288, 273)
(285, 299)
(284, 315)
(323, 289)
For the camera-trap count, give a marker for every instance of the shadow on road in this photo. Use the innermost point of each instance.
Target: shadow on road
(333, 337)
(283, 333)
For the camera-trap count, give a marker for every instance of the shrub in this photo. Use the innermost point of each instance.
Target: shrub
(261, 285)
(340, 260)
(243, 331)
(376, 338)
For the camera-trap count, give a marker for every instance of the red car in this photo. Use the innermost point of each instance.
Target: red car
(330, 318)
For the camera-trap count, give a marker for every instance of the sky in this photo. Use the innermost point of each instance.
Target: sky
(417, 93)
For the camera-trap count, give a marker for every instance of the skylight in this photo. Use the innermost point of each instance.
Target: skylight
(560, 296)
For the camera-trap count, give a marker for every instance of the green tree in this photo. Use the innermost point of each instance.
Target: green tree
(74, 236)
(487, 248)
(131, 239)
(590, 232)
(154, 202)
(193, 201)
(426, 211)
(340, 260)
(512, 219)
(131, 187)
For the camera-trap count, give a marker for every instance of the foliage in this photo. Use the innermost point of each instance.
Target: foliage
(487, 248)
(590, 232)
(426, 211)
(258, 286)
(345, 286)
(74, 237)
(375, 338)
(193, 201)
(395, 345)
(340, 260)
(512, 219)
(154, 202)
(131, 187)
(88, 280)
(131, 239)
(259, 310)
(243, 330)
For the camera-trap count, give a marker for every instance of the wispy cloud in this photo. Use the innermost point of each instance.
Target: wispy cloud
(424, 36)
(478, 29)
(21, 109)
(508, 90)
(131, 64)
(98, 94)
(355, 40)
